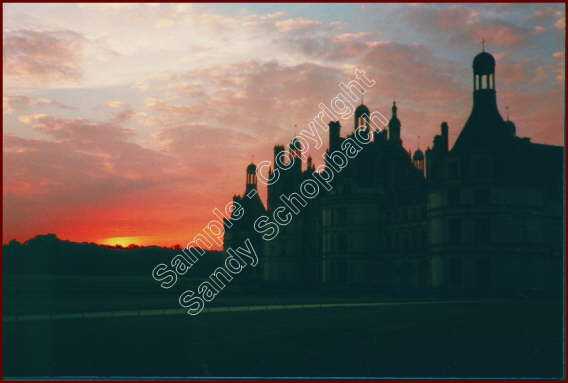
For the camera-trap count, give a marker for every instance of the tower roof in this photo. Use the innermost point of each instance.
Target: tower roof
(251, 168)
(394, 121)
(485, 128)
(418, 155)
(484, 63)
(362, 109)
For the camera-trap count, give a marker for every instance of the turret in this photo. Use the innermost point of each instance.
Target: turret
(394, 125)
(485, 129)
(362, 114)
(418, 160)
(251, 178)
(444, 135)
(334, 133)
(295, 149)
(277, 150)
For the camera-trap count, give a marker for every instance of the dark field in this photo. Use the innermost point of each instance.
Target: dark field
(477, 339)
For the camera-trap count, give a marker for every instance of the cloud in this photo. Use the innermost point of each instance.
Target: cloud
(13, 104)
(522, 71)
(344, 37)
(82, 168)
(560, 24)
(82, 132)
(176, 143)
(466, 25)
(108, 6)
(546, 14)
(115, 104)
(558, 67)
(46, 57)
(403, 71)
(256, 97)
(296, 24)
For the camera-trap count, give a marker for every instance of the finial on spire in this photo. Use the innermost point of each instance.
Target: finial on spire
(483, 45)
(507, 109)
(394, 108)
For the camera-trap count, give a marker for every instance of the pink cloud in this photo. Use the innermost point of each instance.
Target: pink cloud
(520, 71)
(43, 56)
(12, 104)
(558, 67)
(546, 14)
(466, 25)
(343, 37)
(295, 24)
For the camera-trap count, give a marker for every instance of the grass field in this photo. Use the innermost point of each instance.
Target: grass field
(49, 294)
(483, 339)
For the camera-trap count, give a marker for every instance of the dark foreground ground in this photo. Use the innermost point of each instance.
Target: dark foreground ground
(478, 339)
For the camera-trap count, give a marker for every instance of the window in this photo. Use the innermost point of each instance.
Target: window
(340, 271)
(482, 197)
(482, 230)
(342, 215)
(454, 230)
(483, 272)
(455, 271)
(453, 197)
(327, 242)
(523, 229)
(342, 242)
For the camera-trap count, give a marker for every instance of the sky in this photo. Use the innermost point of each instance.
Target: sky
(129, 123)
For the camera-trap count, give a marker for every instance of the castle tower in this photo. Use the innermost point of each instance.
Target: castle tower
(394, 125)
(295, 149)
(418, 160)
(334, 135)
(485, 128)
(362, 115)
(251, 178)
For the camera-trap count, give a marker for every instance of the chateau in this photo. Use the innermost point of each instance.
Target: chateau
(484, 215)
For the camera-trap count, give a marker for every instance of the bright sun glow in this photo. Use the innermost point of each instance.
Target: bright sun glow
(122, 241)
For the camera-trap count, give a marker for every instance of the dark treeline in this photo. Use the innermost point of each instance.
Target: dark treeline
(49, 255)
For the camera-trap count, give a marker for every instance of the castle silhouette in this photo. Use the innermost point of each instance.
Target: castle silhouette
(483, 216)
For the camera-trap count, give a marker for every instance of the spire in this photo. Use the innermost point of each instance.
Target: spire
(394, 125)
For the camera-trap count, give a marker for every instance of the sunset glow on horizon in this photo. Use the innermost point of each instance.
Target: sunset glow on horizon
(129, 123)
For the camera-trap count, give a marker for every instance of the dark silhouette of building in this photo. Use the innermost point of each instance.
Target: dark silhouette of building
(485, 215)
